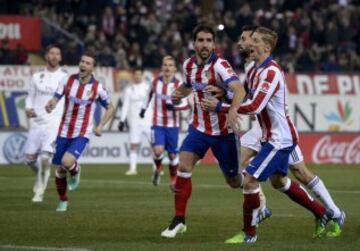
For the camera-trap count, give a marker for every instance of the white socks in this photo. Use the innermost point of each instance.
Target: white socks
(133, 161)
(317, 186)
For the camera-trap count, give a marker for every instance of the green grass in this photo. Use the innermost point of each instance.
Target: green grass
(110, 211)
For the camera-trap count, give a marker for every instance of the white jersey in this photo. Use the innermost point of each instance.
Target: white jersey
(42, 87)
(133, 99)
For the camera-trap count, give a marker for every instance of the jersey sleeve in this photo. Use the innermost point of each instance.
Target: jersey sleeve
(103, 96)
(30, 98)
(60, 90)
(267, 87)
(225, 71)
(149, 95)
(126, 104)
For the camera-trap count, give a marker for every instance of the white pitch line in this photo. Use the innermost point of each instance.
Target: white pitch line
(195, 185)
(42, 248)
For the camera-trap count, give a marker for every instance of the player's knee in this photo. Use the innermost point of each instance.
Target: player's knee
(159, 153)
(184, 168)
(45, 158)
(31, 162)
(67, 162)
(234, 183)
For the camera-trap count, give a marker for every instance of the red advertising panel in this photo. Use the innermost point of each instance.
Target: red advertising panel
(321, 84)
(323, 148)
(21, 30)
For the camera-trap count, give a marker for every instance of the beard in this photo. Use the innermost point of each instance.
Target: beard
(204, 54)
(244, 53)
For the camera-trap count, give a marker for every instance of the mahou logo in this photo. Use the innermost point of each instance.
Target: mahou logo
(328, 150)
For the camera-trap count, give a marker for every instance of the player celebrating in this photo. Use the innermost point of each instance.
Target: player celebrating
(278, 141)
(166, 119)
(43, 126)
(250, 145)
(134, 96)
(207, 129)
(81, 92)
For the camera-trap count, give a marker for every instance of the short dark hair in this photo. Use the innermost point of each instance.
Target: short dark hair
(51, 46)
(203, 28)
(90, 54)
(250, 27)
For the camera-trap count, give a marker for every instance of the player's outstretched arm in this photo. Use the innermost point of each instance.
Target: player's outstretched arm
(109, 113)
(50, 106)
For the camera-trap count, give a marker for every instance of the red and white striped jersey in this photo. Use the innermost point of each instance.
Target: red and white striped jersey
(80, 104)
(267, 99)
(161, 92)
(217, 71)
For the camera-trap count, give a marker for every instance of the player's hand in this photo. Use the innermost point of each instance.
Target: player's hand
(142, 113)
(30, 113)
(98, 130)
(50, 106)
(170, 107)
(215, 91)
(176, 97)
(209, 104)
(121, 126)
(232, 119)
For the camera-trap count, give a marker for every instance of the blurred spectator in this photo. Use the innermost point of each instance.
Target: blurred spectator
(313, 34)
(21, 55)
(6, 55)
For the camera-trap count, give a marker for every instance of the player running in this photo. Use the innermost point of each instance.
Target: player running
(279, 139)
(250, 146)
(81, 92)
(43, 126)
(166, 119)
(134, 96)
(207, 129)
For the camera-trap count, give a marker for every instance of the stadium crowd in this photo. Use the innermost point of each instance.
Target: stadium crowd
(314, 35)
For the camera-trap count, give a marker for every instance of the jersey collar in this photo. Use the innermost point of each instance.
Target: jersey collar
(265, 63)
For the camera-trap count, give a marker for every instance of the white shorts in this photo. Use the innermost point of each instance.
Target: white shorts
(251, 139)
(40, 140)
(136, 133)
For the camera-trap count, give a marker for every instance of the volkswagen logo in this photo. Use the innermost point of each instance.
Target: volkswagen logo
(14, 148)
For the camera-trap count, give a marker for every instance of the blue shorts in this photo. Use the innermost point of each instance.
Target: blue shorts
(165, 136)
(269, 161)
(73, 146)
(224, 148)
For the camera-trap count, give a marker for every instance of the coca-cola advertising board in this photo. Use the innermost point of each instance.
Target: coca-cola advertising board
(21, 30)
(336, 148)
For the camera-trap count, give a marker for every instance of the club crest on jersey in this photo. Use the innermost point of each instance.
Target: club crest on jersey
(89, 93)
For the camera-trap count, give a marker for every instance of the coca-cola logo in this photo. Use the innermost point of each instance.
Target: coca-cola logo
(328, 150)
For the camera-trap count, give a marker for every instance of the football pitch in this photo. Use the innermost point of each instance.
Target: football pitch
(111, 211)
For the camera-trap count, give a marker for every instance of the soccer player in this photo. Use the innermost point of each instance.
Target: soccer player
(166, 119)
(279, 139)
(43, 126)
(250, 145)
(134, 96)
(207, 129)
(81, 92)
